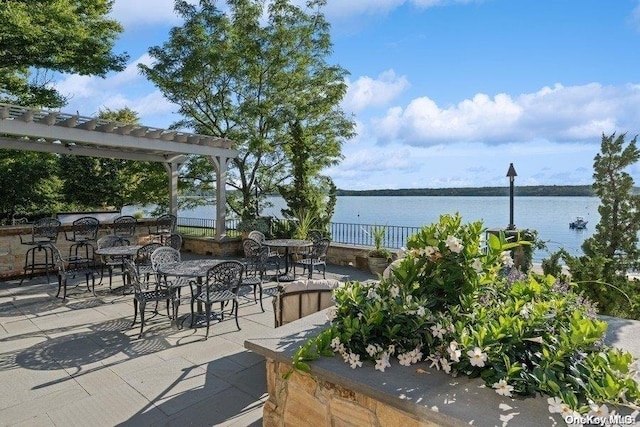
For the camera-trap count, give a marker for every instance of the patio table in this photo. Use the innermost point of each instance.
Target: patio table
(194, 269)
(286, 244)
(126, 251)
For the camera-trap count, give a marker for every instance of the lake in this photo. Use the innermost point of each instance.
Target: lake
(550, 216)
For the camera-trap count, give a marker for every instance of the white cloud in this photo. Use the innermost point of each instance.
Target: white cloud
(568, 114)
(367, 92)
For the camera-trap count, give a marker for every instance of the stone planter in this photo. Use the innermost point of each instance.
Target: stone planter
(377, 265)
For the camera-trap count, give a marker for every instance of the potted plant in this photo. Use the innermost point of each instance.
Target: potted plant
(379, 257)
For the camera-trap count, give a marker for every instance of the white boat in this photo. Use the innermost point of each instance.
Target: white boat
(579, 223)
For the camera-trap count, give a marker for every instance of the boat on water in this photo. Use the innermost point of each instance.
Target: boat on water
(578, 224)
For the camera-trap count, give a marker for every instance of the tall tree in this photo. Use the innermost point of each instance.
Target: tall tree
(29, 185)
(617, 232)
(94, 182)
(38, 37)
(242, 76)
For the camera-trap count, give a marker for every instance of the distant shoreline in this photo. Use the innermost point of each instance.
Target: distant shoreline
(533, 190)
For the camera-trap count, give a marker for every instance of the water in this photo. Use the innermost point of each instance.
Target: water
(550, 216)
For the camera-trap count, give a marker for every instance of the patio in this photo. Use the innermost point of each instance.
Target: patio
(79, 363)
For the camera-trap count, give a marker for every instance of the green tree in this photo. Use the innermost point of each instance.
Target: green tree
(308, 191)
(29, 183)
(246, 77)
(616, 235)
(39, 37)
(612, 250)
(95, 182)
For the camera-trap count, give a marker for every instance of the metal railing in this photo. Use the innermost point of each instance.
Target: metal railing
(340, 232)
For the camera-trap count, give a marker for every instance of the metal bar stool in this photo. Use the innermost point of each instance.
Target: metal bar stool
(44, 232)
(83, 231)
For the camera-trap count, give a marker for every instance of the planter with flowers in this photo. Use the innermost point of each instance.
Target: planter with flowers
(463, 309)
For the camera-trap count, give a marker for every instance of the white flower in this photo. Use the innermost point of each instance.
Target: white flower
(428, 250)
(402, 252)
(354, 360)
(454, 353)
(372, 294)
(598, 411)
(395, 291)
(505, 259)
(391, 349)
(502, 388)
(332, 313)
(555, 405)
(409, 298)
(421, 311)
(383, 362)
(438, 331)
(477, 357)
(446, 366)
(525, 312)
(416, 355)
(404, 359)
(477, 265)
(335, 343)
(454, 244)
(371, 350)
(435, 360)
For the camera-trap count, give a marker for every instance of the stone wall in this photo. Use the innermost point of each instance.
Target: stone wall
(304, 400)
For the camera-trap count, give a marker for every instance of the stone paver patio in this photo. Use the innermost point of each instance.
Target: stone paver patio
(78, 362)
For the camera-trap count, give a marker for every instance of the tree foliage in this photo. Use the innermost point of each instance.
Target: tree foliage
(29, 183)
(39, 37)
(94, 182)
(612, 250)
(247, 77)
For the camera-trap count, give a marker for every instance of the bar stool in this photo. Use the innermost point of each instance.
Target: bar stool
(43, 233)
(165, 225)
(83, 231)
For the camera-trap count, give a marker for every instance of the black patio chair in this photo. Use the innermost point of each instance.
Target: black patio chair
(125, 226)
(43, 233)
(174, 241)
(316, 257)
(257, 262)
(164, 226)
(67, 268)
(142, 261)
(142, 295)
(111, 262)
(83, 231)
(221, 285)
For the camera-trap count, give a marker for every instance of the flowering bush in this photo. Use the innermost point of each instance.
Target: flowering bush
(466, 311)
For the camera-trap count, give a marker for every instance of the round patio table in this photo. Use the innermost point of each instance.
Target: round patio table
(286, 244)
(195, 269)
(125, 251)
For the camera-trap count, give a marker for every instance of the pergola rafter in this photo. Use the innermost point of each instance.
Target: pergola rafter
(28, 129)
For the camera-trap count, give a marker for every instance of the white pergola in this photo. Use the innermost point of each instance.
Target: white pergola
(28, 129)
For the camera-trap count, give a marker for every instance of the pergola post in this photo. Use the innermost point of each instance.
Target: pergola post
(220, 164)
(172, 171)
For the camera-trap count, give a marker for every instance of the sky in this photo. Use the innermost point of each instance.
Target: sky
(444, 93)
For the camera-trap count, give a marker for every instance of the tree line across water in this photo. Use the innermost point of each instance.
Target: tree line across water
(533, 190)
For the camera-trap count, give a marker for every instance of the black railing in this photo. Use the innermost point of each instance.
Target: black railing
(345, 233)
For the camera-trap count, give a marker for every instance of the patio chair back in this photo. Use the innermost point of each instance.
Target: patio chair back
(83, 229)
(46, 230)
(164, 255)
(174, 241)
(125, 226)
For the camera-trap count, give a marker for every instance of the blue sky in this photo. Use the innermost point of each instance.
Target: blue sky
(444, 93)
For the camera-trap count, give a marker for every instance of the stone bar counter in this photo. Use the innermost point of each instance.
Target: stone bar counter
(334, 394)
(12, 251)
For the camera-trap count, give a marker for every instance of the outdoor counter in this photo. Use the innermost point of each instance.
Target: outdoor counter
(335, 394)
